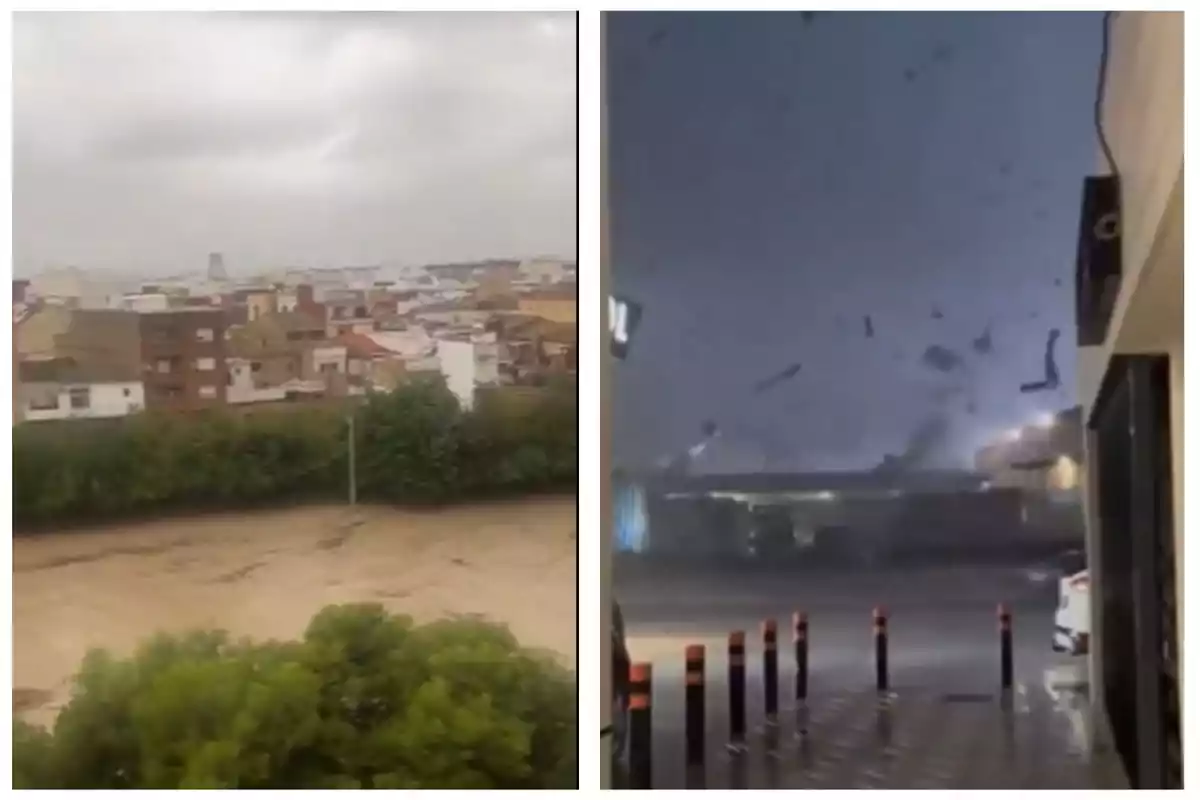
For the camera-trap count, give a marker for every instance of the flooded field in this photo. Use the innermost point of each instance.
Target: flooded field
(265, 574)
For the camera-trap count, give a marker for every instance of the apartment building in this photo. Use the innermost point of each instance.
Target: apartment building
(183, 358)
(284, 352)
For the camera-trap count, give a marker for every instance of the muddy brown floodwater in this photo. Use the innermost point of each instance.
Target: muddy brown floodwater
(265, 574)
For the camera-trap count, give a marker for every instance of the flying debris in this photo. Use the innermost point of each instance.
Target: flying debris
(681, 463)
(1052, 380)
(937, 313)
(1058, 281)
(779, 377)
(943, 52)
(807, 16)
(910, 74)
(972, 407)
(868, 326)
(942, 359)
(657, 37)
(982, 344)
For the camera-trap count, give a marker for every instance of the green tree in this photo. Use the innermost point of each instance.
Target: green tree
(364, 699)
(415, 446)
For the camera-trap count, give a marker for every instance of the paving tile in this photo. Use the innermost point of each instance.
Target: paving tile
(915, 739)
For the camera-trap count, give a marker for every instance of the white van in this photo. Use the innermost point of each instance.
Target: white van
(1073, 619)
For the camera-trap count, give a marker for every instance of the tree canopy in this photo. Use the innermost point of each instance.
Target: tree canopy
(364, 699)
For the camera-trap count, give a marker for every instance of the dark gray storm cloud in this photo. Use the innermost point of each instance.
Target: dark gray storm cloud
(148, 140)
(778, 180)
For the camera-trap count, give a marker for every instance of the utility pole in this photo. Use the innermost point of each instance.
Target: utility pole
(351, 458)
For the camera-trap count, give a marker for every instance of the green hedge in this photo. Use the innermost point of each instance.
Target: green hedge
(364, 700)
(414, 446)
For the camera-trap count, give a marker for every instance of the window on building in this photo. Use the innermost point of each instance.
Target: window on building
(81, 397)
(206, 364)
(163, 365)
(255, 366)
(204, 334)
(126, 392)
(208, 392)
(329, 369)
(47, 401)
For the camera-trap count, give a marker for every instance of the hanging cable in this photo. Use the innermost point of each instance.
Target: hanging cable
(1101, 88)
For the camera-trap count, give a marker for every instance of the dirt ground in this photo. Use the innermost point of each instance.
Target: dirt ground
(265, 574)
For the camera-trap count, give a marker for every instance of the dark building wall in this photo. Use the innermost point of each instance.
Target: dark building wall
(177, 340)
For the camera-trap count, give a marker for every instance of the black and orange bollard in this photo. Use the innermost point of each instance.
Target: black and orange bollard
(800, 638)
(694, 703)
(881, 649)
(770, 635)
(640, 730)
(737, 689)
(1006, 647)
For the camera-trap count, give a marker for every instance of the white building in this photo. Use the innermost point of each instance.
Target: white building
(143, 303)
(242, 388)
(468, 364)
(286, 301)
(47, 401)
(329, 359)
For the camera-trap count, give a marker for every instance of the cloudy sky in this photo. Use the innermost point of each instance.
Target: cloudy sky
(145, 141)
(779, 177)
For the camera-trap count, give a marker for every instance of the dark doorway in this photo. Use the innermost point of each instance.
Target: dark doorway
(1130, 436)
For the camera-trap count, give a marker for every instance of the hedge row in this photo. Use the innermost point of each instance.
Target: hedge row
(364, 700)
(413, 446)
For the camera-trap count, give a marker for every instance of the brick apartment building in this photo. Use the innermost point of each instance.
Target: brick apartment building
(183, 358)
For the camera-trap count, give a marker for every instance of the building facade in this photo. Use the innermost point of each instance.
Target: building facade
(183, 358)
(1129, 289)
(80, 399)
(557, 305)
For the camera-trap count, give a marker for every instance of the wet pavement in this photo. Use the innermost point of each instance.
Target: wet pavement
(944, 724)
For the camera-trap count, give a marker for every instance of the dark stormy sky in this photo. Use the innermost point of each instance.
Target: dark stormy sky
(777, 177)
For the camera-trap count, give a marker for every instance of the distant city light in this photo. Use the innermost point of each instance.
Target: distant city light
(825, 495)
(1045, 420)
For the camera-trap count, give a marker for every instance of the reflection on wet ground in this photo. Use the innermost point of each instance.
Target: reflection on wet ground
(946, 723)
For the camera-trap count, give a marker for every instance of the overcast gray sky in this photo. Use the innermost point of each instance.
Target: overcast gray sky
(144, 141)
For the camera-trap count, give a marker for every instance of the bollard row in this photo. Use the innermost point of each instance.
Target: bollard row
(640, 721)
